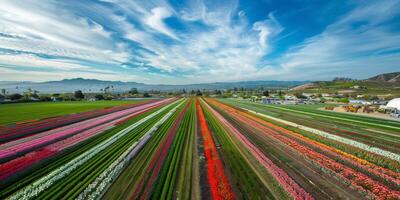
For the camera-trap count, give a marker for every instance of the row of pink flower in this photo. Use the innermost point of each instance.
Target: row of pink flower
(63, 144)
(47, 133)
(349, 175)
(67, 131)
(280, 175)
(21, 130)
(19, 164)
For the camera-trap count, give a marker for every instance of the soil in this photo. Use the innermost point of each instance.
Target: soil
(340, 109)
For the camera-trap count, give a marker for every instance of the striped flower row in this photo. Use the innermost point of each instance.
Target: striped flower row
(97, 188)
(347, 141)
(45, 182)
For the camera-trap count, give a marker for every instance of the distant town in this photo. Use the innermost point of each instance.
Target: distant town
(368, 97)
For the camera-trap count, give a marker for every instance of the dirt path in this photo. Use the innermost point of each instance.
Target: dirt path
(360, 113)
(196, 191)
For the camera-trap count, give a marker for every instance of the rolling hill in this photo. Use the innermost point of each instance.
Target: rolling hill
(388, 77)
(388, 83)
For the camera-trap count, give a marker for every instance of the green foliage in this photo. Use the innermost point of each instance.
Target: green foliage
(342, 100)
(198, 93)
(133, 91)
(146, 95)
(45, 98)
(99, 97)
(15, 96)
(78, 94)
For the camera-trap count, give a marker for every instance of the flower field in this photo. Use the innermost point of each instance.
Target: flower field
(26, 128)
(201, 148)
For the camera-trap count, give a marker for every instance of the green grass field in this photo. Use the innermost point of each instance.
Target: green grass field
(20, 112)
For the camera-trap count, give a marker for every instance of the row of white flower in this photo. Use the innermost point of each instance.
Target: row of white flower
(99, 186)
(45, 182)
(331, 117)
(351, 142)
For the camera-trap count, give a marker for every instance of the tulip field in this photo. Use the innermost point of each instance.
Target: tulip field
(201, 148)
(17, 112)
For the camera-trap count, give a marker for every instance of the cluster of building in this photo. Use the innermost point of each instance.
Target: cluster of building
(289, 99)
(391, 107)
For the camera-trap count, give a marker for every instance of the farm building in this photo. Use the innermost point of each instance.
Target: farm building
(271, 100)
(394, 103)
(394, 106)
(358, 101)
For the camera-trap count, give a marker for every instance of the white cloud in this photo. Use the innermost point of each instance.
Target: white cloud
(63, 33)
(46, 28)
(208, 41)
(155, 21)
(267, 29)
(224, 47)
(360, 44)
(32, 61)
(40, 76)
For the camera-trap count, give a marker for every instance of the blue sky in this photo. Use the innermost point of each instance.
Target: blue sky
(180, 42)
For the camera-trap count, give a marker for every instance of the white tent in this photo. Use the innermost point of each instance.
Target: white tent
(394, 103)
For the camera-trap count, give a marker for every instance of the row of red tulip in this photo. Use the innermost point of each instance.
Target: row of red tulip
(217, 179)
(12, 167)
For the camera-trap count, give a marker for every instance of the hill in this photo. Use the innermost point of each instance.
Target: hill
(305, 86)
(382, 84)
(388, 77)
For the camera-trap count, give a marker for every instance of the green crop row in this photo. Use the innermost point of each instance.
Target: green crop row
(176, 170)
(124, 186)
(365, 121)
(184, 188)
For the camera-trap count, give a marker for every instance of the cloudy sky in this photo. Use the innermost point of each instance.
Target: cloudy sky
(179, 42)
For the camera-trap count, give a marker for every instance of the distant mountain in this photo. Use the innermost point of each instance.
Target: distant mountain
(388, 77)
(94, 85)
